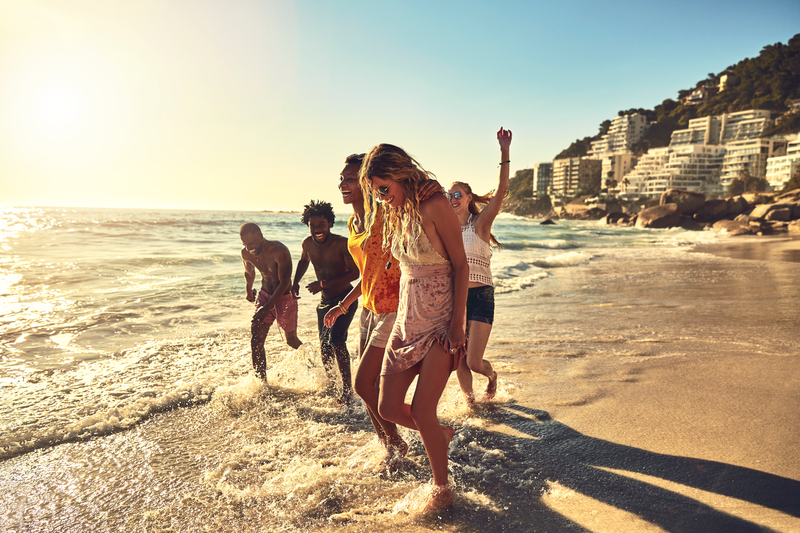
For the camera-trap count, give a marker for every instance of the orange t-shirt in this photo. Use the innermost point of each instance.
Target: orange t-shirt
(380, 286)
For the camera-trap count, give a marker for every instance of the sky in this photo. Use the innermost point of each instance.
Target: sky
(254, 105)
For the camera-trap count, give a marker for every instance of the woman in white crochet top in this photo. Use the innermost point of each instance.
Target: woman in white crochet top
(476, 229)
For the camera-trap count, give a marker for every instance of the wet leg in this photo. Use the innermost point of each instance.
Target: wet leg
(258, 334)
(343, 361)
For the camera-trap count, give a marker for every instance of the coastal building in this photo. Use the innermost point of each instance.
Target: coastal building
(694, 168)
(575, 174)
(749, 156)
(780, 169)
(615, 167)
(624, 132)
(725, 128)
(542, 178)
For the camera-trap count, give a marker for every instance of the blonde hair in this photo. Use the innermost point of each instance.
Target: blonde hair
(473, 205)
(389, 162)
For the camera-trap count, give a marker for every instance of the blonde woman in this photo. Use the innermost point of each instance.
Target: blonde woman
(476, 228)
(427, 341)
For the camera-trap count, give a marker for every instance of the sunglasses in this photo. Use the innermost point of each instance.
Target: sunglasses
(457, 195)
(383, 191)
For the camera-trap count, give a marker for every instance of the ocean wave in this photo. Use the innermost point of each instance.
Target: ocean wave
(564, 260)
(541, 245)
(502, 286)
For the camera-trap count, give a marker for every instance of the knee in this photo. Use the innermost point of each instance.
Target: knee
(476, 365)
(387, 410)
(365, 386)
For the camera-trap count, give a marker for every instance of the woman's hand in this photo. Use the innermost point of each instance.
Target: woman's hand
(455, 338)
(331, 316)
(504, 138)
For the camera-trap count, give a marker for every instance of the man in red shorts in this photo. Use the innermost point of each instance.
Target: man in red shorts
(274, 301)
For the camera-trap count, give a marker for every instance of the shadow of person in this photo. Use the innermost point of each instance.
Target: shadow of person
(557, 453)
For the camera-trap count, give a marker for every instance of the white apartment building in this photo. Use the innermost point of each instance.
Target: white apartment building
(749, 156)
(574, 174)
(542, 178)
(694, 168)
(617, 166)
(781, 169)
(625, 131)
(725, 128)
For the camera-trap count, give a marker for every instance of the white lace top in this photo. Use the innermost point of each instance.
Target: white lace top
(479, 254)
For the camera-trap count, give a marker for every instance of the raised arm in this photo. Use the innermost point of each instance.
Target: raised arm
(483, 225)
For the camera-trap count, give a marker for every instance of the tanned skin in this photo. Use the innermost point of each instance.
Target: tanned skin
(273, 260)
(335, 270)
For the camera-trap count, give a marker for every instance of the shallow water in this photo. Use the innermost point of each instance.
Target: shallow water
(129, 403)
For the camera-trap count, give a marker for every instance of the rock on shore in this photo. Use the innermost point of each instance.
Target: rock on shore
(749, 214)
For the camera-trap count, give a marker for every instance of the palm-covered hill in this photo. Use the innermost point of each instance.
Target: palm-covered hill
(770, 81)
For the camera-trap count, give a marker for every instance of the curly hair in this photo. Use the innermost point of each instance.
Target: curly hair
(390, 162)
(473, 205)
(318, 208)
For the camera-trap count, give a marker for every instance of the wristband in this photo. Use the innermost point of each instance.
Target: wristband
(342, 308)
(504, 162)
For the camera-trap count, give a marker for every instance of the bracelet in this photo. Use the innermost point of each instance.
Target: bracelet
(503, 162)
(342, 308)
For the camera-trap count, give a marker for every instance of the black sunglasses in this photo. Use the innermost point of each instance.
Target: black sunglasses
(457, 195)
(383, 191)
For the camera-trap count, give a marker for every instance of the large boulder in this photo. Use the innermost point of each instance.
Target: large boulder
(733, 227)
(757, 198)
(783, 214)
(761, 210)
(659, 217)
(793, 195)
(616, 218)
(688, 223)
(712, 210)
(736, 206)
(794, 227)
(688, 202)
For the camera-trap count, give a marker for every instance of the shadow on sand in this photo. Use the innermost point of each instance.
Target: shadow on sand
(553, 452)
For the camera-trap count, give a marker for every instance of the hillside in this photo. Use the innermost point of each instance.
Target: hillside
(769, 81)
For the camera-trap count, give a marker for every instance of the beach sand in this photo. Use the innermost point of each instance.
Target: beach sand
(635, 396)
(690, 423)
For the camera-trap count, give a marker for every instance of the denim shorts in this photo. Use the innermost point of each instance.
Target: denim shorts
(480, 304)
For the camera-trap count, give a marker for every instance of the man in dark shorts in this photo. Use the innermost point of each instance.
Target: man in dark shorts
(274, 301)
(335, 269)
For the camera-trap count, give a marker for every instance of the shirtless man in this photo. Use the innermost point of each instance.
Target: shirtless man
(274, 300)
(335, 269)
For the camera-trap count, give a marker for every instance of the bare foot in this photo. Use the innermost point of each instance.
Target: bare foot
(441, 497)
(470, 399)
(344, 399)
(396, 450)
(491, 388)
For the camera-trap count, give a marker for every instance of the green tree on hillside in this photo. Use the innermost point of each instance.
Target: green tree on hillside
(769, 81)
(746, 183)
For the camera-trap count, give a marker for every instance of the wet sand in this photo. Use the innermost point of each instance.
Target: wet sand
(635, 396)
(772, 248)
(671, 400)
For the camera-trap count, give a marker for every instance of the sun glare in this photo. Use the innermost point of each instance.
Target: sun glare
(59, 108)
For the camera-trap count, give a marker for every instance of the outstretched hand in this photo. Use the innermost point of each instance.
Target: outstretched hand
(504, 138)
(331, 316)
